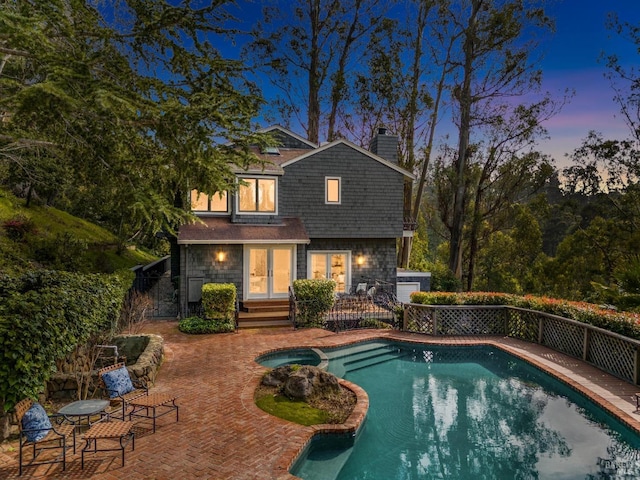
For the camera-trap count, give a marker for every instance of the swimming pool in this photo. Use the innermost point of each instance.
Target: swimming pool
(299, 356)
(464, 413)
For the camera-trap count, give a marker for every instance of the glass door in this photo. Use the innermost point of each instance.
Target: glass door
(269, 271)
(258, 273)
(332, 265)
(281, 271)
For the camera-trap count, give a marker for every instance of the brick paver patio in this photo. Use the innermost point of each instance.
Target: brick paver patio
(221, 434)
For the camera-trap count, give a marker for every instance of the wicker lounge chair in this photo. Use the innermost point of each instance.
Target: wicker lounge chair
(39, 435)
(120, 387)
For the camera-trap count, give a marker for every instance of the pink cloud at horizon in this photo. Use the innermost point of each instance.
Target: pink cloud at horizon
(592, 108)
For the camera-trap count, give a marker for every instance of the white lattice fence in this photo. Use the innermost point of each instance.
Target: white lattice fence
(608, 351)
(615, 355)
(418, 319)
(454, 320)
(522, 324)
(470, 321)
(563, 336)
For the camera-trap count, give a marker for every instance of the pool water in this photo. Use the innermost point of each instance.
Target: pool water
(301, 356)
(467, 413)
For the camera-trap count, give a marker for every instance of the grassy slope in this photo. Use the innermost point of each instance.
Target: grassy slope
(48, 222)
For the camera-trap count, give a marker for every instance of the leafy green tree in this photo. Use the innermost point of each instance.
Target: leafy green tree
(496, 45)
(395, 91)
(512, 260)
(307, 50)
(114, 112)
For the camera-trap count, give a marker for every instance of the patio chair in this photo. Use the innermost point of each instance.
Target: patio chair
(117, 382)
(38, 434)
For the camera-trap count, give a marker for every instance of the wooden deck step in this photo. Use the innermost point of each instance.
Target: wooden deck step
(266, 305)
(264, 314)
(275, 314)
(264, 324)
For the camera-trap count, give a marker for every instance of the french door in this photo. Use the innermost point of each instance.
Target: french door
(268, 270)
(334, 265)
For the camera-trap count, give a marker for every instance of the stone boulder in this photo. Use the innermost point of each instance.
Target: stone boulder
(302, 382)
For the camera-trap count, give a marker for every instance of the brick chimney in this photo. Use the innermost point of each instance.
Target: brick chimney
(385, 146)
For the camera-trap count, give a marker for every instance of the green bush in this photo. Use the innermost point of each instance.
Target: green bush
(197, 325)
(44, 315)
(62, 252)
(219, 301)
(374, 323)
(314, 299)
(624, 323)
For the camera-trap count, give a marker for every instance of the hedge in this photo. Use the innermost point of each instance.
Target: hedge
(219, 301)
(197, 326)
(623, 323)
(314, 299)
(44, 315)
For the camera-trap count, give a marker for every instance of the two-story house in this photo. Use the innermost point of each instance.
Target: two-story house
(331, 211)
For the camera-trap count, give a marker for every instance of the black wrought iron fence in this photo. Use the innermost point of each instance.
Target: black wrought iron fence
(368, 304)
(153, 285)
(148, 275)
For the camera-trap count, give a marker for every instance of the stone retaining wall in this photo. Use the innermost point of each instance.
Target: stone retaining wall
(64, 386)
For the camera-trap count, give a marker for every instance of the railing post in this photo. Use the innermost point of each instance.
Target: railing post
(435, 321)
(506, 321)
(405, 317)
(636, 367)
(540, 329)
(585, 346)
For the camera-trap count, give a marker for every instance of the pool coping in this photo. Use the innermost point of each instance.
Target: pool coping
(524, 351)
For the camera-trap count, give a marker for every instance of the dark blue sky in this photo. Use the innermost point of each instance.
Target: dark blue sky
(573, 60)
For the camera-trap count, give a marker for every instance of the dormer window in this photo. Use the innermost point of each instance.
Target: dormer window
(216, 203)
(271, 151)
(257, 195)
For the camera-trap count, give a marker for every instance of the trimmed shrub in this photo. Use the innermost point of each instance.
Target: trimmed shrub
(197, 325)
(219, 301)
(44, 315)
(315, 298)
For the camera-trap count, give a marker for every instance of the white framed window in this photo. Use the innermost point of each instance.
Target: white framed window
(257, 195)
(332, 188)
(216, 203)
(331, 264)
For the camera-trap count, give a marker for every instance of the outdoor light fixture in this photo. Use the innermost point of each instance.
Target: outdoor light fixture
(360, 260)
(220, 256)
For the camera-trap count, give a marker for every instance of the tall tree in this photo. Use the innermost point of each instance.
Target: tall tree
(395, 91)
(494, 62)
(127, 103)
(307, 48)
(510, 170)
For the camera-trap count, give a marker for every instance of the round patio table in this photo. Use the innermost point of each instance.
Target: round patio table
(79, 414)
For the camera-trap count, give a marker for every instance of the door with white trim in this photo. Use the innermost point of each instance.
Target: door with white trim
(268, 270)
(334, 265)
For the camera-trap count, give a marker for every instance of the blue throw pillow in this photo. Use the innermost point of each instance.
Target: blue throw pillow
(35, 423)
(118, 382)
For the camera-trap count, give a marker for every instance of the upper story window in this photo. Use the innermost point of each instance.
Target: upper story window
(332, 190)
(257, 195)
(216, 203)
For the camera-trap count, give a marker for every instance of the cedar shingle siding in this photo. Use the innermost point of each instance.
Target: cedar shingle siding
(367, 222)
(371, 196)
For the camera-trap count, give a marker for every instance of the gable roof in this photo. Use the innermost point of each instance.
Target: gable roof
(289, 133)
(349, 144)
